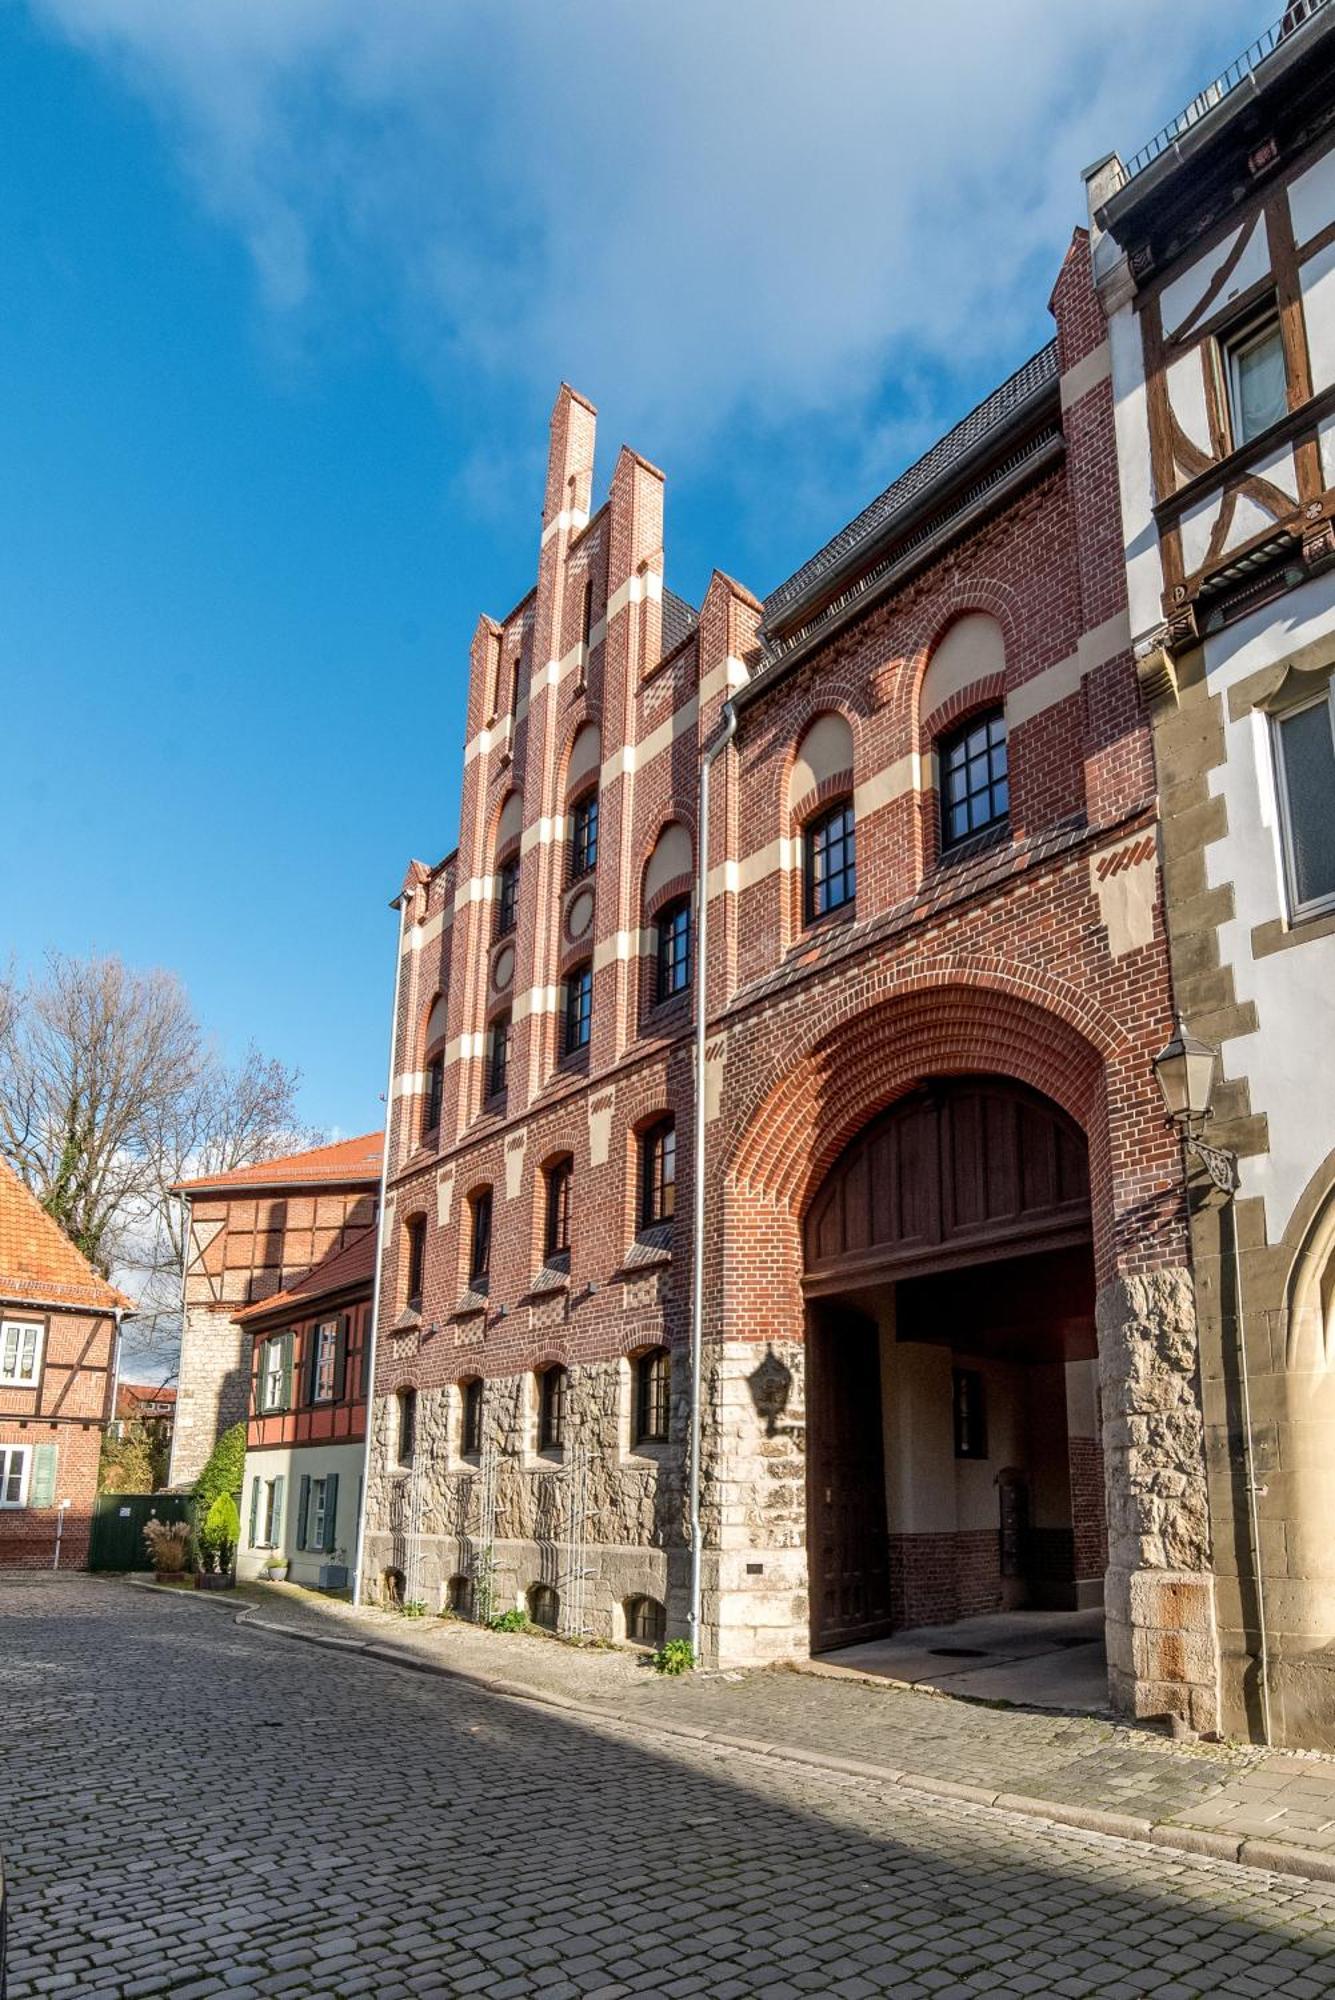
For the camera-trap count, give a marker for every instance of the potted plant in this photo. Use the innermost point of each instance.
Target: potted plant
(217, 1542)
(274, 1569)
(168, 1545)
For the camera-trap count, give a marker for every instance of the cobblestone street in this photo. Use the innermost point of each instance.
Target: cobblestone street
(196, 1808)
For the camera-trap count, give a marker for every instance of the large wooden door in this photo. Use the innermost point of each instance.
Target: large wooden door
(847, 1544)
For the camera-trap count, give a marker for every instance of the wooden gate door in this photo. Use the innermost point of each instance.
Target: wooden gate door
(116, 1541)
(847, 1544)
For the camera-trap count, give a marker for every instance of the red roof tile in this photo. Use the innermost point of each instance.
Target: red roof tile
(38, 1263)
(353, 1265)
(356, 1160)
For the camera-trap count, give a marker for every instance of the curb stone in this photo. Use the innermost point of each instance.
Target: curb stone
(1276, 1857)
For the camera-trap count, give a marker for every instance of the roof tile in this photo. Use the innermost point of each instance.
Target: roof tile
(347, 1160)
(38, 1263)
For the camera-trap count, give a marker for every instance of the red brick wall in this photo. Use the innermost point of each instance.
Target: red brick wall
(28, 1534)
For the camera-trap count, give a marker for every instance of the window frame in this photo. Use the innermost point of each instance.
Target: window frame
(584, 834)
(957, 737)
(576, 1015)
(653, 1398)
(269, 1519)
(1263, 323)
(658, 1190)
(8, 1453)
(433, 1098)
(558, 1193)
(471, 1395)
(673, 950)
(320, 1395)
(815, 829)
(415, 1273)
(553, 1408)
(315, 1511)
(1297, 910)
(405, 1425)
(273, 1368)
(498, 1056)
(507, 896)
(480, 1220)
(21, 1329)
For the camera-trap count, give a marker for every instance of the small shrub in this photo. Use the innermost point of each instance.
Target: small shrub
(509, 1621)
(675, 1656)
(223, 1473)
(217, 1539)
(415, 1607)
(168, 1544)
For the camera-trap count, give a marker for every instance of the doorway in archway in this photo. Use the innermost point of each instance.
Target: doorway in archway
(954, 1457)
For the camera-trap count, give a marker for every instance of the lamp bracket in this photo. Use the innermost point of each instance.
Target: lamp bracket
(1221, 1166)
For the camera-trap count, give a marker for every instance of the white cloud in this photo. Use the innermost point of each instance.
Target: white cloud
(703, 212)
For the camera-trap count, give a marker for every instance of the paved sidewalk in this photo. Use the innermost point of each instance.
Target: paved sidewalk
(1230, 1802)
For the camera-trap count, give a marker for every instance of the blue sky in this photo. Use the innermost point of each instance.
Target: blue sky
(285, 295)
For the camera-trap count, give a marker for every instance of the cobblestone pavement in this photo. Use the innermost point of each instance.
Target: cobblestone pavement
(197, 1808)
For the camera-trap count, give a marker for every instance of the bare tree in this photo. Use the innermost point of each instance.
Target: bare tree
(110, 1092)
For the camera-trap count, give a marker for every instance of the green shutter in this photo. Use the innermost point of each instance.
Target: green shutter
(288, 1339)
(254, 1508)
(42, 1484)
(303, 1509)
(341, 1358)
(330, 1512)
(278, 1512)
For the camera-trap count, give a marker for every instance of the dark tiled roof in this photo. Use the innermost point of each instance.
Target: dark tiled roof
(934, 468)
(679, 621)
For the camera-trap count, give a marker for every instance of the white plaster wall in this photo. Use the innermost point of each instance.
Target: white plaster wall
(1287, 1062)
(293, 1463)
(1144, 574)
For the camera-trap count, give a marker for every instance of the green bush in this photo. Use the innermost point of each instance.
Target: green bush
(224, 1473)
(677, 1656)
(218, 1537)
(509, 1621)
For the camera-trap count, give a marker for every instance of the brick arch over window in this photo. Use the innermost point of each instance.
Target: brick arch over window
(823, 766)
(670, 868)
(891, 1035)
(967, 667)
(509, 824)
(583, 760)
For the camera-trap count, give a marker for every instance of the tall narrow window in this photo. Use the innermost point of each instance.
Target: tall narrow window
(324, 1361)
(552, 1409)
(579, 1008)
(658, 1174)
(586, 614)
(653, 1397)
(416, 1232)
(507, 896)
(831, 861)
(479, 1252)
(407, 1435)
(584, 836)
(514, 686)
(435, 1095)
(975, 783)
(560, 1180)
(275, 1363)
(498, 1068)
(470, 1429)
(674, 948)
(1305, 754)
(1253, 360)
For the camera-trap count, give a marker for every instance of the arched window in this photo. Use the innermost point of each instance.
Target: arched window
(658, 1173)
(406, 1431)
(556, 1222)
(673, 939)
(507, 896)
(479, 1245)
(584, 836)
(470, 1427)
(433, 1047)
(653, 1397)
(544, 1606)
(646, 1622)
(552, 1386)
(667, 907)
(415, 1243)
(829, 856)
(975, 790)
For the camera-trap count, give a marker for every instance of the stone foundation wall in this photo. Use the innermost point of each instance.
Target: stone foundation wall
(1163, 1653)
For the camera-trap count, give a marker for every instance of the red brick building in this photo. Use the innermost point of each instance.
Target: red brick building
(252, 1232)
(949, 1333)
(59, 1322)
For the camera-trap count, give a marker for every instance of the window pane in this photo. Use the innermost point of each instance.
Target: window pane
(1309, 784)
(975, 794)
(1259, 392)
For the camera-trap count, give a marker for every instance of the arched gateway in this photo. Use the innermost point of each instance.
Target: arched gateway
(954, 1460)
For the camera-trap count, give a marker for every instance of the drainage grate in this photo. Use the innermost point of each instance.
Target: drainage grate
(958, 1653)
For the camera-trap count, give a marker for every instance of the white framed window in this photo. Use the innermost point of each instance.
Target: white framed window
(20, 1353)
(326, 1357)
(14, 1463)
(1254, 376)
(1304, 740)
(269, 1512)
(315, 1521)
(273, 1373)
